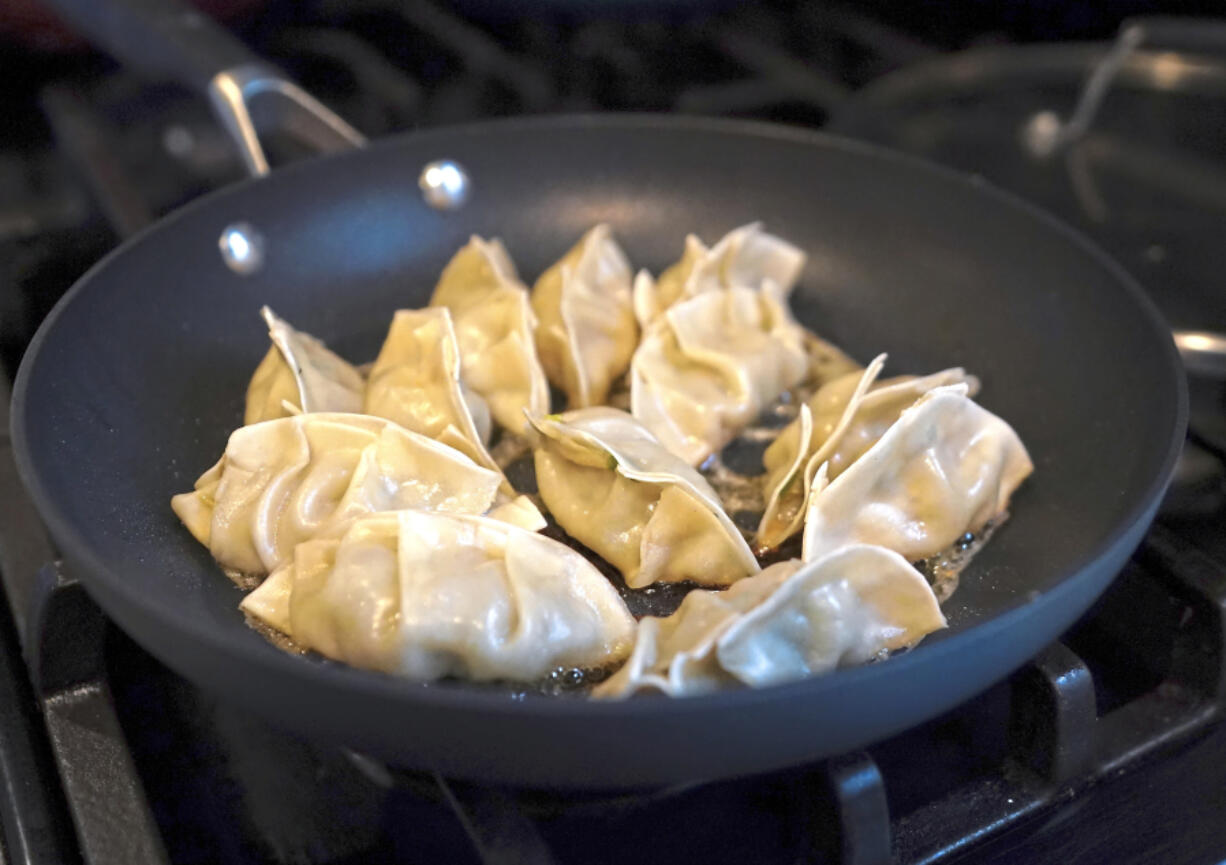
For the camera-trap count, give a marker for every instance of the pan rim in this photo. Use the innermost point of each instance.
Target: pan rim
(973, 71)
(995, 61)
(341, 678)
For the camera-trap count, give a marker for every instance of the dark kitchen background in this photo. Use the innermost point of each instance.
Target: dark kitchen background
(1107, 747)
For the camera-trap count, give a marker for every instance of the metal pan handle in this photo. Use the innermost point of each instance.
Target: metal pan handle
(1203, 352)
(1046, 134)
(171, 41)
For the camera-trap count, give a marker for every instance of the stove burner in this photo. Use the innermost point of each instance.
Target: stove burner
(111, 758)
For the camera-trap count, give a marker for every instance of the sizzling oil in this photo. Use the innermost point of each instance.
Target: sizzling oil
(272, 635)
(245, 581)
(945, 568)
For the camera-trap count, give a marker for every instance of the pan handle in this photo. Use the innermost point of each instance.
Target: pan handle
(1045, 134)
(1203, 352)
(170, 40)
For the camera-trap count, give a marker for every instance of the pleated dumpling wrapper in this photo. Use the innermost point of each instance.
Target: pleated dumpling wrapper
(587, 331)
(712, 364)
(416, 381)
(946, 467)
(494, 326)
(615, 489)
(300, 373)
(744, 257)
(285, 481)
(269, 601)
(426, 595)
(793, 620)
(518, 511)
(837, 425)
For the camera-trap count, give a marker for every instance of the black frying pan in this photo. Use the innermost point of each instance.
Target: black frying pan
(133, 383)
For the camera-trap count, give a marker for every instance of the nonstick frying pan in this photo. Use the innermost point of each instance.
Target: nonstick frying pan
(134, 381)
(1138, 156)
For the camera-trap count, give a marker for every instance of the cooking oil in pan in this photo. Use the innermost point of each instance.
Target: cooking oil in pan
(246, 582)
(272, 635)
(943, 569)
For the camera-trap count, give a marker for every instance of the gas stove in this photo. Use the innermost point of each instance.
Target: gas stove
(1106, 746)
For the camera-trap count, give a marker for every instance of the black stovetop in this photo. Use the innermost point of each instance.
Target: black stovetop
(1105, 747)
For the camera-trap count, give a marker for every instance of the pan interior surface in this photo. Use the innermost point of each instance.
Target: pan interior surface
(136, 379)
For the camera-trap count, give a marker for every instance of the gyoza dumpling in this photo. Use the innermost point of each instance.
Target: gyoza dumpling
(283, 481)
(839, 423)
(586, 332)
(712, 364)
(518, 511)
(793, 620)
(745, 257)
(427, 595)
(269, 601)
(617, 490)
(946, 467)
(300, 371)
(494, 325)
(416, 382)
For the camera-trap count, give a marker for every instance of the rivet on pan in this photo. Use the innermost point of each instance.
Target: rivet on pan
(1041, 134)
(242, 248)
(444, 184)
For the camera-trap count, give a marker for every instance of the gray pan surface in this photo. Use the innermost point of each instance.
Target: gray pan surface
(135, 380)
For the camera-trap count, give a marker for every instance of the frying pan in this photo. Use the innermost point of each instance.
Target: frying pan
(134, 381)
(1140, 157)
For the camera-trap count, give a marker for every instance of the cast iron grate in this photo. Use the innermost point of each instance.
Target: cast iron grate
(152, 770)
